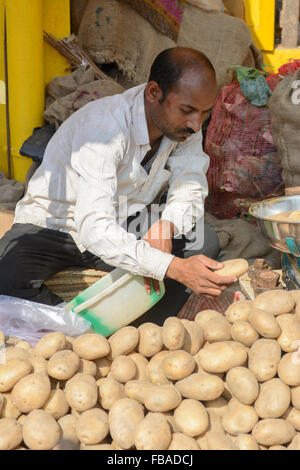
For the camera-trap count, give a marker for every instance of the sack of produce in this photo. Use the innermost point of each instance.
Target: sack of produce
(70, 93)
(284, 107)
(112, 32)
(227, 41)
(245, 166)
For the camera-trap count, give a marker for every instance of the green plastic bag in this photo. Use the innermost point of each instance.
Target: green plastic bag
(253, 84)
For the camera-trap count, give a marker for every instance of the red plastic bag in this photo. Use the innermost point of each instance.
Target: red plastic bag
(244, 166)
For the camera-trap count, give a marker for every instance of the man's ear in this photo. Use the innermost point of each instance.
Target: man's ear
(153, 93)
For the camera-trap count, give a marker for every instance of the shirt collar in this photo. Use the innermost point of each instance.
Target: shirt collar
(139, 121)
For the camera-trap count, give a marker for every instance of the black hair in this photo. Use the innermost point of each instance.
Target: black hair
(168, 67)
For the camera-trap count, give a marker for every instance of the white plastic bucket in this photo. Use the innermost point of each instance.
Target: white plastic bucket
(114, 301)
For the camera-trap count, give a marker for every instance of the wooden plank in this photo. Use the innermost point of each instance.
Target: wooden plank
(289, 23)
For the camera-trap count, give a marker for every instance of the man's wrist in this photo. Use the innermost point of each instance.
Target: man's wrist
(175, 268)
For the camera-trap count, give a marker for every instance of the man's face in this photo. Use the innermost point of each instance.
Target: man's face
(184, 109)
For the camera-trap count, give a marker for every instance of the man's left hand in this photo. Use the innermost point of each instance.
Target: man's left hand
(159, 236)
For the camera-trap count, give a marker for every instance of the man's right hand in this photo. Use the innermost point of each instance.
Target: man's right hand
(196, 274)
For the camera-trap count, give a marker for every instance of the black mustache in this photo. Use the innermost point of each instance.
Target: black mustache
(188, 130)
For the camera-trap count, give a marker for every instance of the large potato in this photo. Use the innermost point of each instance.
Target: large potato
(97, 447)
(217, 406)
(296, 295)
(182, 442)
(63, 365)
(69, 439)
(264, 323)
(293, 416)
(289, 338)
(91, 346)
(243, 332)
(295, 444)
(178, 364)
(12, 371)
(124, 417)
(103, 366)
(202, 318)
(10, 434)
(39, 364)
(217, 329)
(295, 397)
(50, 344)
(31, 392)
(245, 442)
(264, 357)
(57, 405)
(238, 311)
(137, 390)
(201, 387)
(221, 357)
(141, 366)
(16, 353)
(81, 392)
(273, 432)
(8, 409)
(239, 418)
(276, 302)
(289, 370)
(110, 391)
(92, 426)
(173, 334)
(151, 341)
(233, 268)
(162, 398)
(243, 385)
(41, 431)
(153, 433)
(87, 367)
(218, 441)
(191, 418)
(124, 341)
(123, 369)
(193, 338)
(273, 400)
(297, 311)
(156, 372)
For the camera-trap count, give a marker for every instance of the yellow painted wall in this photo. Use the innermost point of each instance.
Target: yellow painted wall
(260, 17)
(31, 65)
(3, 139)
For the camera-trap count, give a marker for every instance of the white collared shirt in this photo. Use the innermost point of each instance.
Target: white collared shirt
(91, 178)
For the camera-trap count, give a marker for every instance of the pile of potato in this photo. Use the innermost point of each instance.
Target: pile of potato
(216, 383)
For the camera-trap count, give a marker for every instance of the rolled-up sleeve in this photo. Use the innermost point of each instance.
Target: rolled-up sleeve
(95, 215)
(188, 165)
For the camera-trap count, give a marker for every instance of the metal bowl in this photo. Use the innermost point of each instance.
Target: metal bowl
(284, 236)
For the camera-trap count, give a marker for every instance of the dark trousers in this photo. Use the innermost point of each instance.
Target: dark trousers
(30, 255)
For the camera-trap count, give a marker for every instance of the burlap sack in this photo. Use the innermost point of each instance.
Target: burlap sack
(285, 125)
(63, 86)
(113, 32)
(241, 239)
(226, 40)
(11, 191)
(71, 95)
(209, 5)
(77, 9)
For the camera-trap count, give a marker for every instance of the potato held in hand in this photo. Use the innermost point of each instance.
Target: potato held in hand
(233, 268)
